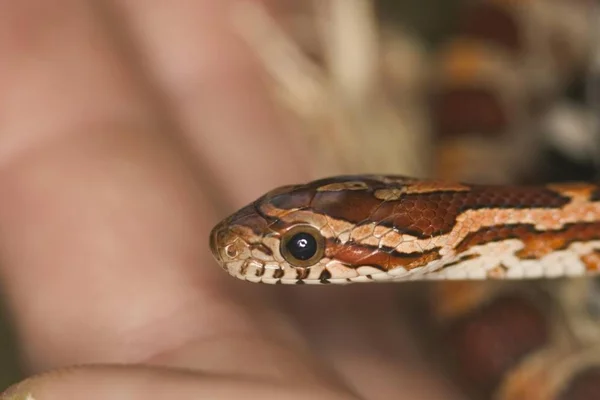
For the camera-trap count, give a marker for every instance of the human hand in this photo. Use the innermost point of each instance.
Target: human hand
(129, 129)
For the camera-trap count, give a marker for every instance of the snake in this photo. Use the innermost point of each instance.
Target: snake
(390, 228)
(526, 339)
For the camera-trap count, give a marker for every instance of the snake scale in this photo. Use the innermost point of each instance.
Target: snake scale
(367, 228)
(521, 339)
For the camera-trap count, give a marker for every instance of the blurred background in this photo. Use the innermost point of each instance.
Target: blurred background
(492, 91)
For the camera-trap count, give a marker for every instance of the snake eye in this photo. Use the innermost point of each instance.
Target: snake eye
(302, 246)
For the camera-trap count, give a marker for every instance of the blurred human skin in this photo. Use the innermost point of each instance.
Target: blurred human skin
(128, 129)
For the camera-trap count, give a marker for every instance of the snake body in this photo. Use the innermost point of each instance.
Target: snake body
(500, 121)
(498, 75)
(370, 228)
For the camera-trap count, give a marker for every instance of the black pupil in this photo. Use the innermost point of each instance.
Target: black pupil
(302, 246)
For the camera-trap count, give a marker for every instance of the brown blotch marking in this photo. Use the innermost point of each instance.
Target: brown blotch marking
(355, 255)
(428, 214)
(260, 271)
(351, 206)
(247, 217)
(419, 214)
(305, 196)
(540, 245)
(325, 276)
(301, 196)
(262, 248)
(591, 261)
(584, 385)
(536, 243)
(244, 268)
(431, 214)
(494, 24)
(489, 341)
(278, 273)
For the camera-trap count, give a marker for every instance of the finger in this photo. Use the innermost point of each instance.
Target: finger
(103, 228)
(362, 332)
(85, 175)
(177, 41)
(217, 90)
(131, 383)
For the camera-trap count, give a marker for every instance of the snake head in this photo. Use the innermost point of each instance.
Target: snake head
(265, 243)
(375, 228)
(305, 234)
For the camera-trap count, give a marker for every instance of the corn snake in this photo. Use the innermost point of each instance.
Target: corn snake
(391, 228)
(370, 228)
(514, 341)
